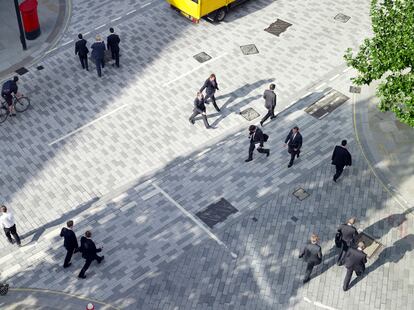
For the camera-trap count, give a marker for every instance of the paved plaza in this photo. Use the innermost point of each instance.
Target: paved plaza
(118, 156)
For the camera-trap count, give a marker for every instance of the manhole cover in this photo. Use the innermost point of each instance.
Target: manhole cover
(202, 57)
(355, 89)
(278, 27)
(300, 194)
(217, 212)
(249, 49)
(249, 114)
(21, 71)
(342, 17)
(326, 104)
(371, 246)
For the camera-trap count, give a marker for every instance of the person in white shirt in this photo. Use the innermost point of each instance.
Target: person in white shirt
(9, 225)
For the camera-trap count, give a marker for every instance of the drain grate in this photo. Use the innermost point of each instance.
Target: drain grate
(249, 49)
(301, 194)
(371, 246)
(21, 71)
(39, 67)
(354, 89)
(217, 212)
(326, 104)
(249, 114)
(278, 27)
(342, 17)
(202, 57)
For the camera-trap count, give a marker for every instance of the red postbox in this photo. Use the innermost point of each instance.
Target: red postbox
(28, 9)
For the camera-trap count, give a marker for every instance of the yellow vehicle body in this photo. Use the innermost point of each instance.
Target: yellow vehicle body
(196, 9)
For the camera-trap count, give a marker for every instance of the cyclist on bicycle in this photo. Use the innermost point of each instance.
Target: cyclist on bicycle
(10, 87)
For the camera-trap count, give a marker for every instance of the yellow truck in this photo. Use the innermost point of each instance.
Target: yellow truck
(196, 9)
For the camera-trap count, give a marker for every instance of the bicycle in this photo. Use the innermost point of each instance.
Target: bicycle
(20, 104)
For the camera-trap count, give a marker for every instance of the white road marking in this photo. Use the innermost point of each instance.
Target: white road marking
(192, 217)
(346, 70)
(320, 86)
(309, 93)
(100, 26)
(146, 4)
(86, 33)
(324, 115)
(67, 43)
(53, 49)
(115, 19)
(318, 304)
(130, 12)
(334, 77)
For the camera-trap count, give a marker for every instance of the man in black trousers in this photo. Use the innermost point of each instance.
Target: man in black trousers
(270, 103)
(113, 45)
(312, 254)
(341, 158)
(89, 251)
(82, 51)
(210, 85)
(70, 242)
(256, 136)
(199, 108)
(349, 235)
(98, 54)
(355, 260)
(294, 142)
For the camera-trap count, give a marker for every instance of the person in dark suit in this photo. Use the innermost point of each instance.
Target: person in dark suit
(82, 51)
(70, 242)
(349, 235)
(89, 251)
(199, 108)
(98, 54)
(270, 103)
(355, 260)
(294, 142)
(210, 85)
(256, 136)
(113, 45)
(341, 158)
(312, 254)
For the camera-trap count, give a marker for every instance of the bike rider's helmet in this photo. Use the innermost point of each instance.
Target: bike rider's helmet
(15, 78)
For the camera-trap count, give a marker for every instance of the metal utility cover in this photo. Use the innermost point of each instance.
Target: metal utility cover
(39, 67)
(371, 246)
(249, 114)
(217, 212)
(301, 194)
(342, 17)
(355, 89)
(326, 104)
(202, 57)
(249, 49)
(21, 71)
(278, 27)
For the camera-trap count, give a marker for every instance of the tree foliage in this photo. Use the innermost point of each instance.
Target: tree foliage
(389, 57)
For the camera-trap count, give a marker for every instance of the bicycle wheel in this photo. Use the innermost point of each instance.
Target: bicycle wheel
(4, 113)
(21, 104)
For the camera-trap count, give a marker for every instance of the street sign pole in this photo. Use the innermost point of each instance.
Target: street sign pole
(19, 21)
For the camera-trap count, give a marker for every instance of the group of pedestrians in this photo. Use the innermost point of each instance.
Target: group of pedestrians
(351, 255)
(98, 50)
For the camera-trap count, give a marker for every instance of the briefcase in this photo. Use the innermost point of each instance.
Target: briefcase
(338, 239)
(265, 137)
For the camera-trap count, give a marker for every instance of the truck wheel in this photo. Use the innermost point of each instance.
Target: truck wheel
(220, 14)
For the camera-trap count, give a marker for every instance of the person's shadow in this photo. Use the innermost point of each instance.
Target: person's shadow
(328, 261)
(392, 254)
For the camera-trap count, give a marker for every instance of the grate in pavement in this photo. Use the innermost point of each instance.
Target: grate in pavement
(249, 114)
(249, 49)
(342, 17)
(371, 246)
(355, 89)
(21, 71)
(217, 212)
(300, 194)
(278, 27)
(202, 57)
(326, 104)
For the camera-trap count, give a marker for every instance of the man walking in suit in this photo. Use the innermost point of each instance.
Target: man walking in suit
(355, 260)
(98, 54)
(82, 51)
(341, 158)
(210, 85)
(312, 254)
(294, 142)
(89, 251)
(9, 225)
(348, 237)
(256, 136)
(70, 242)
(270, 103)
(113, 45)
(199, 108)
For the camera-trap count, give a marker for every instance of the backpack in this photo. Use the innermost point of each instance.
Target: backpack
(6, 89)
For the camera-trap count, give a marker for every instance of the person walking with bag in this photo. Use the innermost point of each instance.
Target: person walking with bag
(98, 54)
(270, 103)
(347, 234)
(257, 136)
(210, 85)
(312, 255)
(89, 253)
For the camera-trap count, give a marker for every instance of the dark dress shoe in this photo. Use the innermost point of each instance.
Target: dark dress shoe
(248, 159)
(306, 280)
(66, 266)
(290, 165)
(268, 153)
(81, 277)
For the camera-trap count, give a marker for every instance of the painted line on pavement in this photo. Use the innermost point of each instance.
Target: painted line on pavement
(320, 86)
(86, 33)
(67, 43)
(346, 70)
(334, 77)
(115, 19)
(193, 218)
(318, 304)
(100, 26)
(146, 4)
(130, 12)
